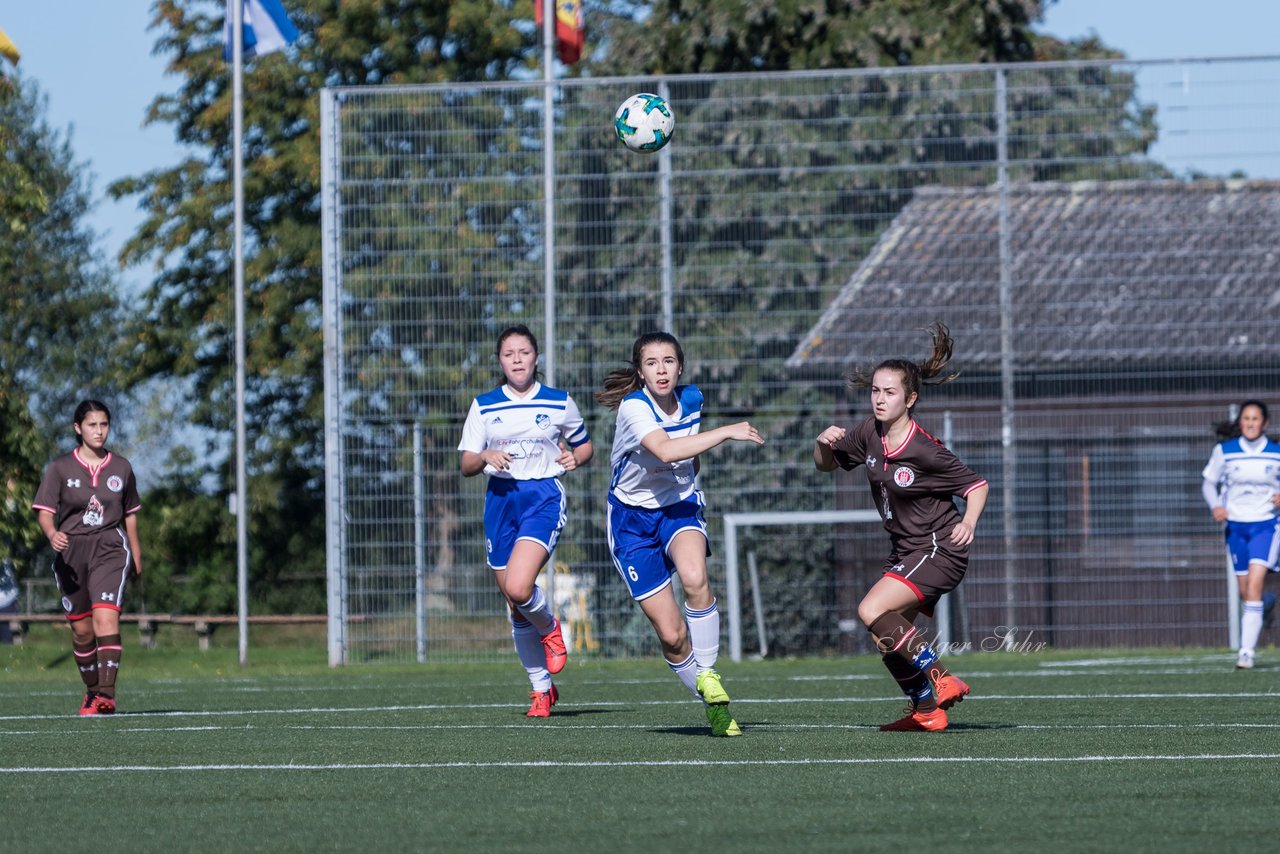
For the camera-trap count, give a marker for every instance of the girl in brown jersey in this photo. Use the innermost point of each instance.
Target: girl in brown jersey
(914, 480)
(87, 504)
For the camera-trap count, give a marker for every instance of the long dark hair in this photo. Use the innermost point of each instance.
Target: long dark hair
(915, 375)
(623, 381)
(1231, 429)
(87, 406)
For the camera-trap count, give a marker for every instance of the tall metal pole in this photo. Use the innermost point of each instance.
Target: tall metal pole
(237, 183)
(1008, 455)
(665, 228)
(547, 360)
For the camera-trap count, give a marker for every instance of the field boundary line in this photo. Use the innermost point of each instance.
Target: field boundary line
(666, 763)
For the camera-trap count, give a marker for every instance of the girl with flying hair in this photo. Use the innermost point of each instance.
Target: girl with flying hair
(914, 480)
(656, 525)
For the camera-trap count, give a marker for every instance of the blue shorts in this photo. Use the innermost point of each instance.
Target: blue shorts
(521, 510)
(639, 538)
(1253, 542)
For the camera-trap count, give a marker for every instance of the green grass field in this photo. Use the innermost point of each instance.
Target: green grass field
(1136, 750)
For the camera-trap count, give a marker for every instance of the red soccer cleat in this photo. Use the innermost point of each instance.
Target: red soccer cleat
(104, 705)
(542, 703)
(89, 706)
(935, 721)
(950, 690)
(553, 645)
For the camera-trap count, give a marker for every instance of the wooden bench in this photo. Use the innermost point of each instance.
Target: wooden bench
(204, 625)
(148, 624)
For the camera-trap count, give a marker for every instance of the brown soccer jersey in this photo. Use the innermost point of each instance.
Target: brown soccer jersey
(913, 485)
(85, 499)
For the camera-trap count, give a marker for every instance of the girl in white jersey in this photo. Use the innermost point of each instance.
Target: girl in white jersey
(656, 526)
(513, 434)
(1242, 488)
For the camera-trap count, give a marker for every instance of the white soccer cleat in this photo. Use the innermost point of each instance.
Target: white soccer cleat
(1245, 661)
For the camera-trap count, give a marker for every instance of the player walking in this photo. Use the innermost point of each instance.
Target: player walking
(1242, 488)
(656, 524)
(86, 505)
(914, 480)
(513, 434)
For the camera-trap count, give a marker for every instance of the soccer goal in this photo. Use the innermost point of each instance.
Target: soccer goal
(733, 522)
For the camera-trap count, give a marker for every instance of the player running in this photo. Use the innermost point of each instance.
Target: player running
(656, 524)
(914, 480)
(1242, 488)
(513, 434)
(87, 506)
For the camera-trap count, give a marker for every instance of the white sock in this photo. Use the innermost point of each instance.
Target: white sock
(538, 611)
(529, 648)
(1250, 626)
(704, 634)
(687, 670)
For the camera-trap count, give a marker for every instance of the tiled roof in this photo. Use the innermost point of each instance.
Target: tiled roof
(1108, 275)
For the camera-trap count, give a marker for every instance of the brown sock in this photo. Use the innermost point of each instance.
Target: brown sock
(108, 664)
(87, 660)
(914, 684)
(894, 633)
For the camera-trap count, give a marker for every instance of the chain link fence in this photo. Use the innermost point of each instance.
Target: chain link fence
(1100, 237)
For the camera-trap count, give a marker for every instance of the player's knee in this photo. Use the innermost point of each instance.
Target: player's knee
(868, 613)
(674, 639)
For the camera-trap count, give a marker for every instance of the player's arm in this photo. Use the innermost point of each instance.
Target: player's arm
(135, 545)
(572, 458)
(670, 450)
(823, 457)
(56, 538)
(473, 463)
(975, 503)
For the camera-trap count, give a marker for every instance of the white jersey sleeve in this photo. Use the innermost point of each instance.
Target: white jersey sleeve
(1243, 477)
(639, 478)
(528, 429)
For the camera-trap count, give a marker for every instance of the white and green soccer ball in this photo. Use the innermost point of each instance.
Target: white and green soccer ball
(644, 122)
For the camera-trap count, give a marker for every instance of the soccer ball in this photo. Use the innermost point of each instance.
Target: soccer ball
(644, 122)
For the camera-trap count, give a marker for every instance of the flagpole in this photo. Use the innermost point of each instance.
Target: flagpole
(237, 183)
(548, 358)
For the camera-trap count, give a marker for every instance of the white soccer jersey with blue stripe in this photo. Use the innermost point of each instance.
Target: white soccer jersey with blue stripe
(1243, 477)
(639, 478)
(527, 428)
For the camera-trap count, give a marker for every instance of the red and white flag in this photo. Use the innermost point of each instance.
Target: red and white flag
(571, 33)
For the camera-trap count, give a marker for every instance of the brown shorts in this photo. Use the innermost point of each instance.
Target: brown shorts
(929, 572)
(91, 572)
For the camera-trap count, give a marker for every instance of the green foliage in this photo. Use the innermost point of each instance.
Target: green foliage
(53, 287)
(689, 36)
(185, 329)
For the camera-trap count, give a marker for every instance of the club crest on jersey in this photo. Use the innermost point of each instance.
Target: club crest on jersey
(114, 483)
(543, 421)
(93, 512)
(904, 476)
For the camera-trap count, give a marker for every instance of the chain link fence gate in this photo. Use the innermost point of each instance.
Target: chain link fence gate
(1100, 237)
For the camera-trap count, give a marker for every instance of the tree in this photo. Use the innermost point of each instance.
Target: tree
(185, 331)
(53, 287)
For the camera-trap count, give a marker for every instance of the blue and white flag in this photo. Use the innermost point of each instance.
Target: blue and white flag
(266, 28)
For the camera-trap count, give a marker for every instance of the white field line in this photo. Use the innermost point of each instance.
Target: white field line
(586, 704)
(266, 686)
(543, 727)
(689, 763)
(1054, 670)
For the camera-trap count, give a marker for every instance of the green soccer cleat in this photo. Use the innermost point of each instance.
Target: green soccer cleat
(710, 689)
(722, 722)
